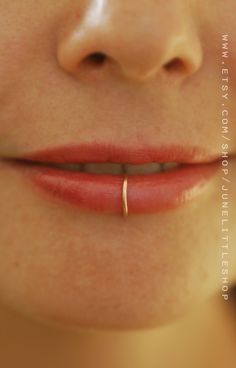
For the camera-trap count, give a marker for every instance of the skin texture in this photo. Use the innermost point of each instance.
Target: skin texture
(71, 269)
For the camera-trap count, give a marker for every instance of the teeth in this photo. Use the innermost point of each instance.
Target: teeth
(103, 168)
(169, 166)
(142, 169)
(116, 168)
(70, 167)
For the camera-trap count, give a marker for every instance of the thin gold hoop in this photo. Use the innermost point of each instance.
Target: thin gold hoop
(124, 197)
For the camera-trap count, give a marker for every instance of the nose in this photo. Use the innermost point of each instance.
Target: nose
(136, 39)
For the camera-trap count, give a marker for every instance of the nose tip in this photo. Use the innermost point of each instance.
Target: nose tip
(136, 42)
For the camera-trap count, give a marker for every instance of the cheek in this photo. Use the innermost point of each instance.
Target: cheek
(14, 60)
(13, 44)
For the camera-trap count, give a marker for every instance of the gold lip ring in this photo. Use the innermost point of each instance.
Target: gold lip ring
(124, 196)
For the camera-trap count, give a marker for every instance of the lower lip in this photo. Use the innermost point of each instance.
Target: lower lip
(103, 193)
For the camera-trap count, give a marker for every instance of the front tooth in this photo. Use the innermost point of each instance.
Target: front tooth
(169, 166)
(70, 167)
(151, 168)
(103, 168)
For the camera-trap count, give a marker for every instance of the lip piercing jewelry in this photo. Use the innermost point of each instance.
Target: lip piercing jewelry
(124, 197)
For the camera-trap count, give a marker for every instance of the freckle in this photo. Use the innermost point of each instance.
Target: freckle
(16, 264)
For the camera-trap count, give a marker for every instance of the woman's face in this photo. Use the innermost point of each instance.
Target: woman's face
(159, 85)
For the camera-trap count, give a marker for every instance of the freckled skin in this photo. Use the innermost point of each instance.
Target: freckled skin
(75, 268)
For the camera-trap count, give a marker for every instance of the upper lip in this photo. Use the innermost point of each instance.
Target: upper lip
(104, 152)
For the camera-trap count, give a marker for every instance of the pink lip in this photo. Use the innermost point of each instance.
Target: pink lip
(97, 152)
(103, 192)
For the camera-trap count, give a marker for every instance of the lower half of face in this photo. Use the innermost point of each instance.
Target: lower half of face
(71, 266)
(75, 268)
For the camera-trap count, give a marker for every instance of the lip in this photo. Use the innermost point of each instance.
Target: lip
(103, 192)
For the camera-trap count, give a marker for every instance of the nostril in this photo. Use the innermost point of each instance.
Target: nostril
(175, 65)
(97, 58)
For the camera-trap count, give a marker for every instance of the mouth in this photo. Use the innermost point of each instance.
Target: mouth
(110, 168)
(91, 176)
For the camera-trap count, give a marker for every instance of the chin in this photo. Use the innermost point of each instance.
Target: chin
(132, 306)
(111, 316)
